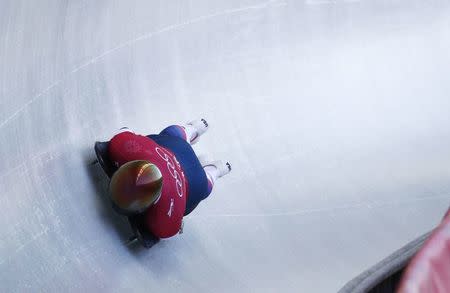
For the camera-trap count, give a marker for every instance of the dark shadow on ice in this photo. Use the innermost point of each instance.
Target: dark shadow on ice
(118, 223)
(100, 181)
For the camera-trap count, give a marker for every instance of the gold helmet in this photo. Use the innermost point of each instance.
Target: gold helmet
(135, 186)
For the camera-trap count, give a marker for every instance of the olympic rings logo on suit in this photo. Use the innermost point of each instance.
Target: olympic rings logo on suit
(171, 167)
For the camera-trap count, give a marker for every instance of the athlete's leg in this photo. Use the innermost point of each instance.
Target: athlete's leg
(190, 132)
(215, 170)
(177, 131)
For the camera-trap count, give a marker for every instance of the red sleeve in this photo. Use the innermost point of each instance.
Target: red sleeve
(165, 217)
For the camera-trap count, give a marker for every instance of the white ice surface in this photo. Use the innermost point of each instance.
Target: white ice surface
(335, 115)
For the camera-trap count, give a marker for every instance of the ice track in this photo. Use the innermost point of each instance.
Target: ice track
(335, 115)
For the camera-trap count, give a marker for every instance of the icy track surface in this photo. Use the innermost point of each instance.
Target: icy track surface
(335, 115)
